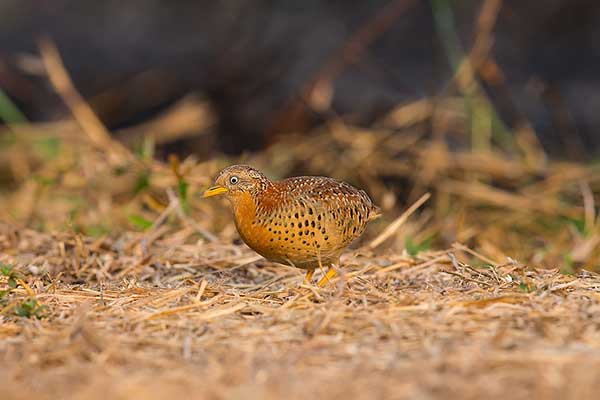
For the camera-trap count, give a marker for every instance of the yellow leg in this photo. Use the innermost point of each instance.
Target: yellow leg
(308, 276)
(330, 274)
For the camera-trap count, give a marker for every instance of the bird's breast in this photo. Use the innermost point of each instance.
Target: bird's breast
(255, 235)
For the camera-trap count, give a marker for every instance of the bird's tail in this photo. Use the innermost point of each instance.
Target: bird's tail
(374, 213)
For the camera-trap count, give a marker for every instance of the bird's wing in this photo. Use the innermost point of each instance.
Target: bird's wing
(347, 209)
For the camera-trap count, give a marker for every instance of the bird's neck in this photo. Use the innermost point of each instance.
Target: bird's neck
(248, 206)
(244, 207)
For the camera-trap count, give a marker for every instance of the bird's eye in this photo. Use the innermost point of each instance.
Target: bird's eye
(234, 180)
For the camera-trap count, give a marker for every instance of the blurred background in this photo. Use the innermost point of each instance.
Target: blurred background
(112, 111)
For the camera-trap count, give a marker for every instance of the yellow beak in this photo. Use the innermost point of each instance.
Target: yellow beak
(214, 191)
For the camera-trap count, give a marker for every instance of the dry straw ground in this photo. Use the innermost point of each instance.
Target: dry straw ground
(148, 294)
(206, 320)
(488, 289)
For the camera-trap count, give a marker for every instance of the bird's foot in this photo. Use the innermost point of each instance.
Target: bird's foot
(308, 276)
(331, 272)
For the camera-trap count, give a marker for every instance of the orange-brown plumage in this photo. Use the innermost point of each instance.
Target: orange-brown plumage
(303, 221)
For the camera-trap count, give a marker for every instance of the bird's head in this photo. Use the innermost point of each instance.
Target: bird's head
(236, 180)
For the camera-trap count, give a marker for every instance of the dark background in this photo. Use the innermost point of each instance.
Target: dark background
(252, 59)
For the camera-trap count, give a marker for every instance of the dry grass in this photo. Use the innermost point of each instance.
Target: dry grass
(148, 292)
(198, 320)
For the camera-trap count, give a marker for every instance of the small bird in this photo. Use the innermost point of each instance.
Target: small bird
(305, 221)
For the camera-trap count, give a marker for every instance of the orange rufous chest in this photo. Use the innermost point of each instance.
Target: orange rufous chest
(256, 236)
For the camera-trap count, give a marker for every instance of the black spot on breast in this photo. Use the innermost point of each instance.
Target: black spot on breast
(312, 223)
(296, 215)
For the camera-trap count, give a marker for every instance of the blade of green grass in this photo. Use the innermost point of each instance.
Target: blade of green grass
(485, 123)
(9, 112)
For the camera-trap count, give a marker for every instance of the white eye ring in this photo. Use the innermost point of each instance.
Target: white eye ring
(234, 180)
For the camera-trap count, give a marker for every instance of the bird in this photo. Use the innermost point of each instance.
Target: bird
(304, 221)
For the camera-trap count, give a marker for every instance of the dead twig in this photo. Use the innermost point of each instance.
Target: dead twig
(394, 226)
(82, 112)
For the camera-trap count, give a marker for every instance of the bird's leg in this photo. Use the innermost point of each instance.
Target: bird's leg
(308, 276)
(331, 272)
